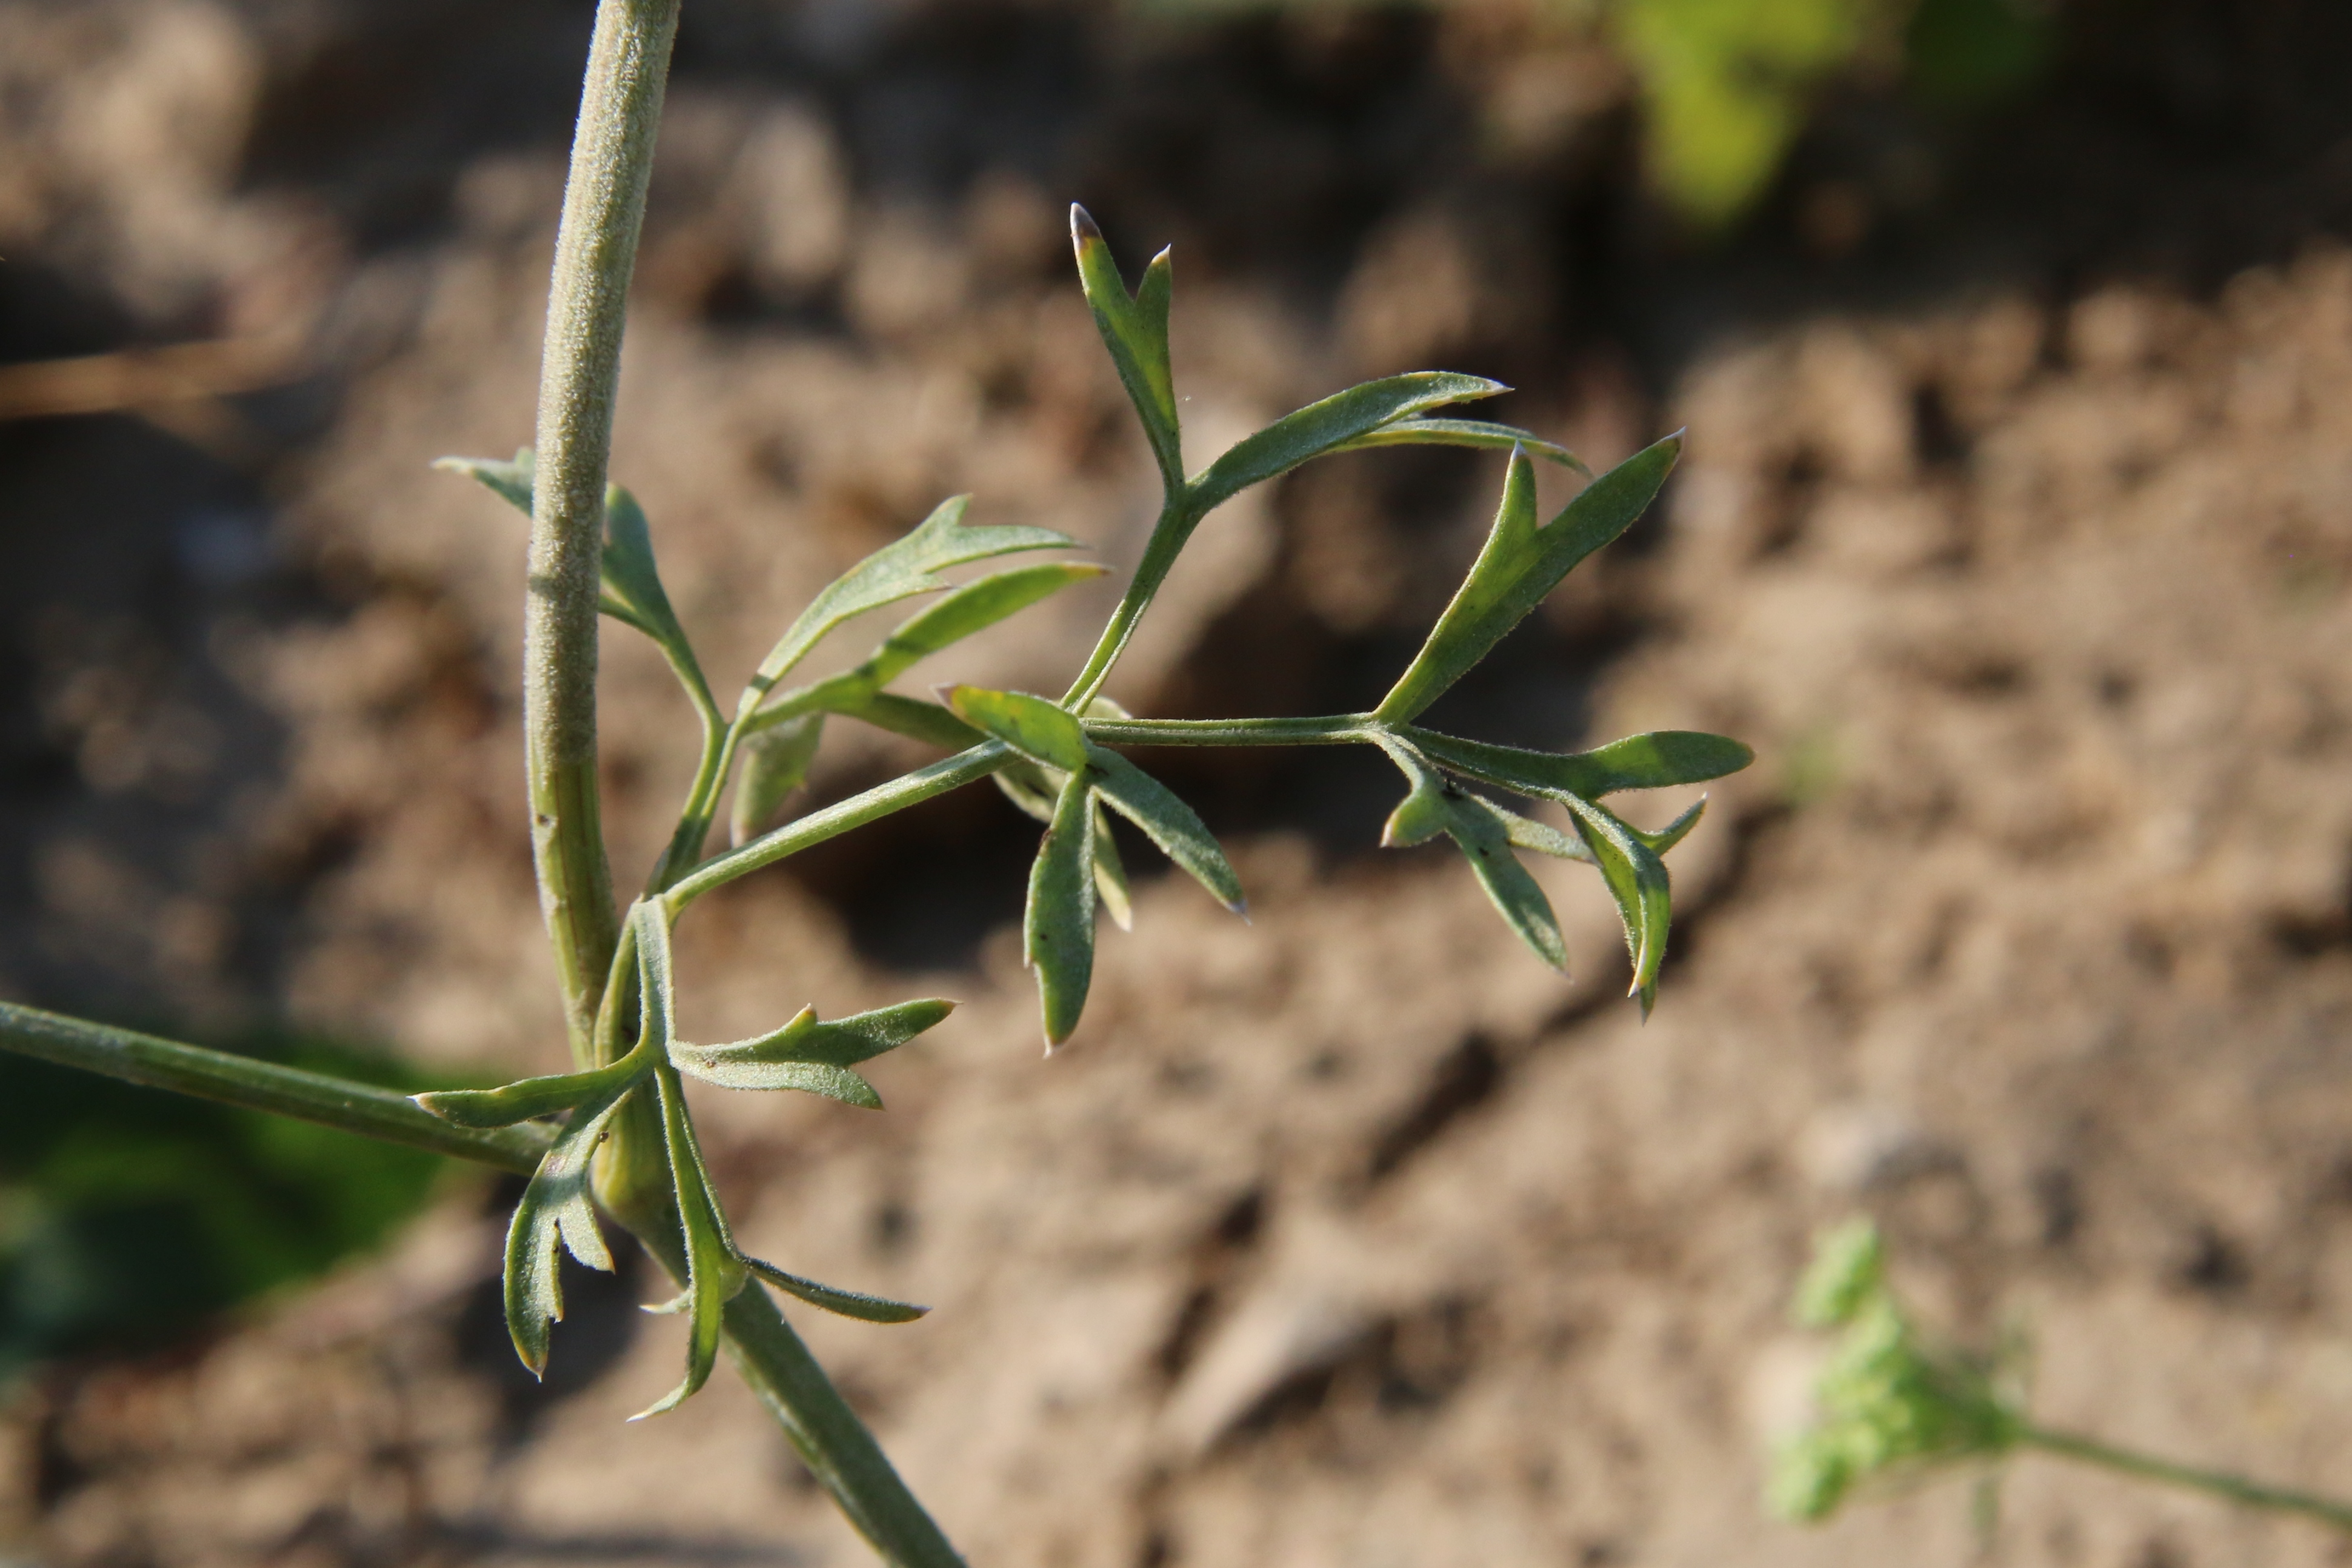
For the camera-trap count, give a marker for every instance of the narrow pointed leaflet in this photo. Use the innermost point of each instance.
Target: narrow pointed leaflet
(1172, 825)
(1519, 565)
(1134, 327)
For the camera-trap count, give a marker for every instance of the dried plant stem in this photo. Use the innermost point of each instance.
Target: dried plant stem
(595, 252)
(2219, 1483)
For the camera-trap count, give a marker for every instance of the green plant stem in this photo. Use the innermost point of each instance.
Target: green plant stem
(912, 789)
(595, 252)
(381, 1113)
(2218, 1483)
(1178, 517)
(1335, 729)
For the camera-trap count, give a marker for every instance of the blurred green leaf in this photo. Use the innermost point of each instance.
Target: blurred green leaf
(1059, 925)
(1727, 84)
(1135, 330)
(1032, 727)
(847, 1303)
(127, 1215)
(1482, 831)
(1961, 53)
(1519, 565)
(1031, 788)
(1328, 426)
(511, 482)
(811, 1055)
(897, 571)
(917, 720)
(1172, 825)
(1657, 760)
(775, 763)
(1473, 432)
(1110, 875)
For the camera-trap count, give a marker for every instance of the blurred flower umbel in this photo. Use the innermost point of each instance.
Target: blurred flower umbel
(1888, 1404)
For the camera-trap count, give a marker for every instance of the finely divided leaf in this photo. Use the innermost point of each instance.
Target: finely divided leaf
(1652, 761)
(896, 571)
(1324, 426)
(848, 1303)
(1058, 926)
(1167, 822)
(1474, 432)
(555, 1213)
(1032, 727)
(1482, 831)
(811, 1055)
(1519, 565)
(1135, 330)
(775, 763)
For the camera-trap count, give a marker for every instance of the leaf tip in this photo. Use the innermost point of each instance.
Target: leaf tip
(1084, 230)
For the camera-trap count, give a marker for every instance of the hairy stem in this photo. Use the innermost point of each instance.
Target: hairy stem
(595, 251)
(1334, 729)
(1177, 520)
(381, 1113)
(2218, 1483)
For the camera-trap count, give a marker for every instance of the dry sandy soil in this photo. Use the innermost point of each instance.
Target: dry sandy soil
(2020, 547)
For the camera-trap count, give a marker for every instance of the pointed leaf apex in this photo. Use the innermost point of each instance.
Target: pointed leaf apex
(1083, 227)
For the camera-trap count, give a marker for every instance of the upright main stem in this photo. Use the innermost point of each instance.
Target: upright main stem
(595, 252)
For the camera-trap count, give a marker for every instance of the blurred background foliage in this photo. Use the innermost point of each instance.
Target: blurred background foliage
(1727, 86)
(128, 1215)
